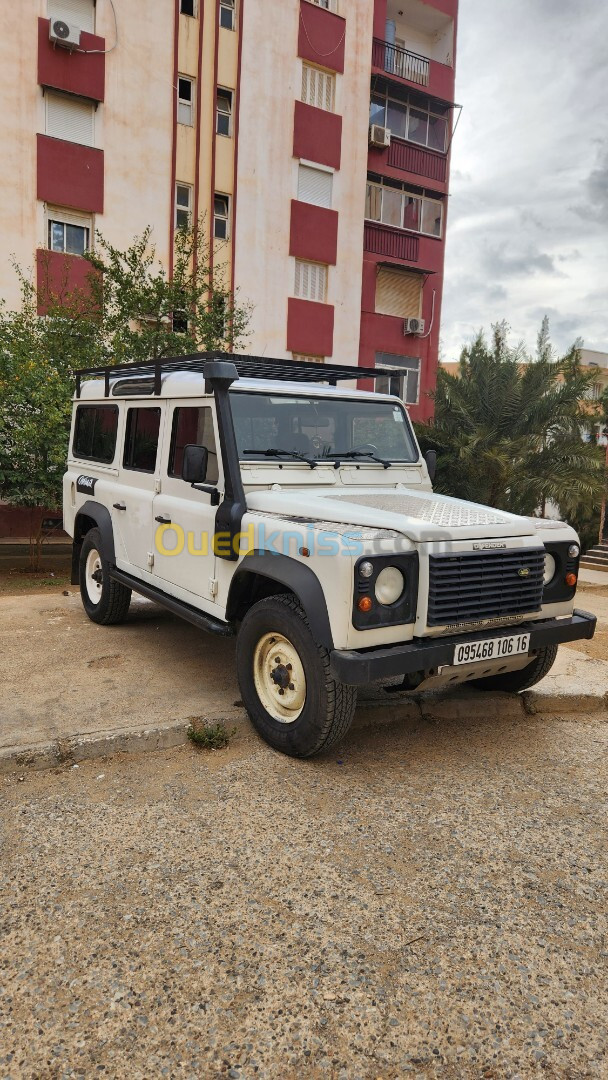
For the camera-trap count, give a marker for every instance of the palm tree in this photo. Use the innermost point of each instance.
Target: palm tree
(508, 428)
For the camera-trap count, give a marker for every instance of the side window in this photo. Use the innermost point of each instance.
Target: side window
(193, 425)
(141, 439)
(95, 432)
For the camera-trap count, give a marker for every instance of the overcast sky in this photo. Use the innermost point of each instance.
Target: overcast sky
(528, 212)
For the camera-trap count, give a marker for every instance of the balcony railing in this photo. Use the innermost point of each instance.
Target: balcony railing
(383, 240)
(401, 62)
(402, 155)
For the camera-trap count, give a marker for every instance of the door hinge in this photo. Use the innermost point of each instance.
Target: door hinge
(213, 586)
(150, 560)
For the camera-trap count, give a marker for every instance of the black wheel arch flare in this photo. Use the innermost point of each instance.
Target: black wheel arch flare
(296, 578)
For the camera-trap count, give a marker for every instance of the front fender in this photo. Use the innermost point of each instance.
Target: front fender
(299, 579)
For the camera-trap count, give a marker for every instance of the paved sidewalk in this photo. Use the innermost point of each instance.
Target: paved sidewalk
(74, 690)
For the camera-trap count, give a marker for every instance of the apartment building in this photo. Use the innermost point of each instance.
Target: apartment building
(313, 135)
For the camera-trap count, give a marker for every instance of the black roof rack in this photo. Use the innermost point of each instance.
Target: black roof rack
(249, 367)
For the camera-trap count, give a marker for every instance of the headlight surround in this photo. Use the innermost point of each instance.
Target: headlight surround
(550, 568)
(392, 588)
(389, 587)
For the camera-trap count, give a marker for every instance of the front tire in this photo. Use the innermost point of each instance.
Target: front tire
(285, 681)
(105, 601)
(512, 682)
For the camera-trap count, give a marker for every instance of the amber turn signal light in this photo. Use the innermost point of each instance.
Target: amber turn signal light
(571, 580)
(365, 603)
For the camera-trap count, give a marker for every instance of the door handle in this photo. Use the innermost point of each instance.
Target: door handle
(163, 520)
(119, 506)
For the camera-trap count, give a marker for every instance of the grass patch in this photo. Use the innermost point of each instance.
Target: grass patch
(209, 735)
(16, 580)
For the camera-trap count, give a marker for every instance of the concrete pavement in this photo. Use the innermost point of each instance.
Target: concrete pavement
(72, 690)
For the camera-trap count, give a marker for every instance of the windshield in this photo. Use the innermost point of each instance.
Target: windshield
(321, 428)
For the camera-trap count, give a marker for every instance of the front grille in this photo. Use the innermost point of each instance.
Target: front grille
(484, 585)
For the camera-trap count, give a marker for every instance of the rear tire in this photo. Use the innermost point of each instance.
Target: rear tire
(286, 686)
(514, 681)
(105, 601)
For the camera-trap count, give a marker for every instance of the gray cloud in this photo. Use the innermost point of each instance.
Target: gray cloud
(529, 195)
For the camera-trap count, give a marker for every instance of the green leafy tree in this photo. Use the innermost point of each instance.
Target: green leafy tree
(508, 428)
(131, 311)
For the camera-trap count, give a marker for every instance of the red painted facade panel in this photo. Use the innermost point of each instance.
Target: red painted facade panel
(73, 72)
(310, 327)
(69, 174)
(314, 233)
(321, 36)
(317, 135)
(59, 275)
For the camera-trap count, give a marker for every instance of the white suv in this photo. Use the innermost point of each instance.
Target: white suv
(247, 497)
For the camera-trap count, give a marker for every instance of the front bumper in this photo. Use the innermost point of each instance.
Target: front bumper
(359, 667)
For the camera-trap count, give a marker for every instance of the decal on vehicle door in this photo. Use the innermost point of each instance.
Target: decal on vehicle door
(86, 484)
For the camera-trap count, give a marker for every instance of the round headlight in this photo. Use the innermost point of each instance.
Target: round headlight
(366, 569)
(549, 568)
(574, 551)
(389, 585)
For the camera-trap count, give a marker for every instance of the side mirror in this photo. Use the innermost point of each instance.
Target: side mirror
(194, 464)
(431, 463)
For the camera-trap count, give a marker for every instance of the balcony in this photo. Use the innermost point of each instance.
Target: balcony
(73, 72)
(418, 162)
(413, 69)
(394, 243)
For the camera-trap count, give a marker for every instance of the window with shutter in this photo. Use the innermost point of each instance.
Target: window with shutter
(311, 281)
(398, 294)
(318, 88)
(404, 382)
(69, 118)
(79, 12)
(314, 186)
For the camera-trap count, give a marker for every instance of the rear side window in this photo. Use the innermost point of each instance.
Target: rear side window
(193, 425)
(95, 432)
(141, 439)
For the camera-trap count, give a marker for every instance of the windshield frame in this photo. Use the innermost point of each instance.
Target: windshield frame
(338, 457)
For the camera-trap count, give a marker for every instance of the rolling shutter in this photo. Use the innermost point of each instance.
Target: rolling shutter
(311, 281)
(80, 13)
(68, 118)
(318, 88)
(398, 294)
(314, 186)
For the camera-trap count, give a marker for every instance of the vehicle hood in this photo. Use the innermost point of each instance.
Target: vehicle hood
(422, 516)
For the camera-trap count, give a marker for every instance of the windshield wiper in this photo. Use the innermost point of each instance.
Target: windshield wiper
(360, 454)
(272, 452)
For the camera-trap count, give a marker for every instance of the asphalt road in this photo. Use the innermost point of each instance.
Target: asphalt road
(430, 901)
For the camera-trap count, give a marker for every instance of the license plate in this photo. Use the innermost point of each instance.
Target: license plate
(471, 652)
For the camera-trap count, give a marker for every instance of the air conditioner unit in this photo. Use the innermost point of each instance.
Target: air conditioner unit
(379, 136)
(65, 34)
(413, 326)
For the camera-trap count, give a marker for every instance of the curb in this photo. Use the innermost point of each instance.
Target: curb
(466, 706)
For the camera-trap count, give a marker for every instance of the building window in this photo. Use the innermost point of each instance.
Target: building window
(329, 5)
(315, 186)
(70, 237)
(304, 358)
(395, 205)
(185, 101)
(95, 433)
(426, 125)
(318, 88)
(404, 382)
(227, 14)
(221, 217)
(223, 112)
(70, 118)
(311, 281)
(188, 7)
(141, 439)
(80, 13)
(398, 293)
(183, 206)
